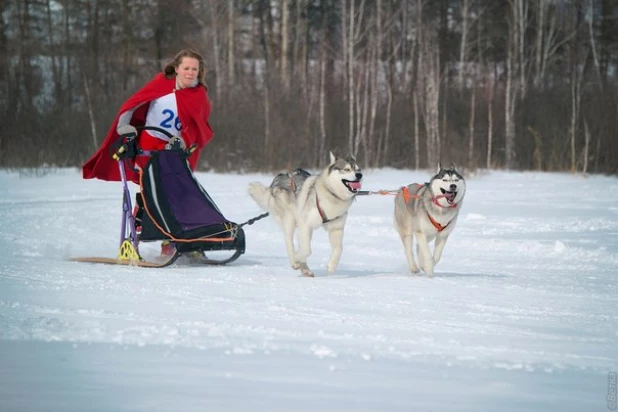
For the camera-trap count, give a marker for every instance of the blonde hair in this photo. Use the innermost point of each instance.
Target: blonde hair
(170, 68)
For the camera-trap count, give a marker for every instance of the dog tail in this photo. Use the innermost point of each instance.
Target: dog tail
(261, 194)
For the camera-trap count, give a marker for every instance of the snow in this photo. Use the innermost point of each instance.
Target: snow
(521, 315)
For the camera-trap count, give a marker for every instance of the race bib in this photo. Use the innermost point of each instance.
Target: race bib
(163, 113)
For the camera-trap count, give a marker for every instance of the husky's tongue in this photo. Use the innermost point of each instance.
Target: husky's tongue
(353, 185)
(450, 196)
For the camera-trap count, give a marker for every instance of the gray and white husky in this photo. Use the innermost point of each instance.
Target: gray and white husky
(302, 202)
(429, 211)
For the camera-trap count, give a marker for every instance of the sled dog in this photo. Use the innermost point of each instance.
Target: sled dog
(429, 211)
(301, 203)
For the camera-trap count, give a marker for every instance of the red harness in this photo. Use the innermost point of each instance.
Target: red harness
(407, 196)
(437, 225)
(325, 219)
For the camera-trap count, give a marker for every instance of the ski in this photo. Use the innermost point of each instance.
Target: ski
(139, 263)
(186, 259)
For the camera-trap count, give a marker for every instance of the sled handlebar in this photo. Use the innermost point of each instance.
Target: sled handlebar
(130, 149)
(156, 129)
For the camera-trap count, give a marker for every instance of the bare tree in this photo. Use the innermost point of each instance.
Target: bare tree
(463, 44)
(354, 35)
(212, 30)
(586, 147)
(543, 38)
(376, 65)
(284, 56)
(349, 51)
(264, 25)
(576, 97)
(489, 90)
(511, 87)
(429, 65)
(300, 45)
(471, 122)
(93, 129)
(322, 110)
(416, 130)
(53, 52)
(593, 47)
(128, 54)
(521, 24)
(231, 44)
(548, 40)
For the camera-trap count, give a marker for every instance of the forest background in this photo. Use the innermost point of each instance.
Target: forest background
(505, 84)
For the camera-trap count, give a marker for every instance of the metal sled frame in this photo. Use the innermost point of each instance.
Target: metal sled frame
(128, 253)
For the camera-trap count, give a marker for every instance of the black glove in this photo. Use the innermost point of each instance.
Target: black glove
(175, 143)
(126, 148)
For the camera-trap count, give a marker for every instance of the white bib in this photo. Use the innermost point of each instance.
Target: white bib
(163, 113)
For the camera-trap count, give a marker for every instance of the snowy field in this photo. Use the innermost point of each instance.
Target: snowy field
(522, 314)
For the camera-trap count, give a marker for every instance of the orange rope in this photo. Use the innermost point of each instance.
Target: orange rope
(387, 192)
(404, 192)
(379, 192)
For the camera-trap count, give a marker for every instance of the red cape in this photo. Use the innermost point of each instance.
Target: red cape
(193, 111)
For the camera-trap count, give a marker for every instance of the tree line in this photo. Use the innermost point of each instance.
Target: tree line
(507, 84)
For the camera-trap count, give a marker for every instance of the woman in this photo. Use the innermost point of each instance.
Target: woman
(175, 100)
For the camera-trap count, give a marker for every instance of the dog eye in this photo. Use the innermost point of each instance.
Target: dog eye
(347, 170)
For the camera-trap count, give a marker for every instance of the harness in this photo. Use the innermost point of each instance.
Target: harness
(437, 225)
(322, 214)
(325, 219)
(292, 183)
(407, 196)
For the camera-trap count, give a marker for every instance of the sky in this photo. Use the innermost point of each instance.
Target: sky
(521, 314)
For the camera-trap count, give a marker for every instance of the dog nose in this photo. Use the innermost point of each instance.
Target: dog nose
(453, 187)
(359, 176)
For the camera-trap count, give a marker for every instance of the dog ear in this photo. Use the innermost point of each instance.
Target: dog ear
(351, 158)
(453, 166)
(333, 158)
(439, 167)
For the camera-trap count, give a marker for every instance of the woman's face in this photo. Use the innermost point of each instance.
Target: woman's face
(187, 72)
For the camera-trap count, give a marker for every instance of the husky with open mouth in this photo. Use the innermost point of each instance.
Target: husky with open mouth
(429, 211)
(302, 203)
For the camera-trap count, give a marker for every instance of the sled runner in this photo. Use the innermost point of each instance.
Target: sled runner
(171, 206)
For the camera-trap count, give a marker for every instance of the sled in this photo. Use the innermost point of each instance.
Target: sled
(171, 206)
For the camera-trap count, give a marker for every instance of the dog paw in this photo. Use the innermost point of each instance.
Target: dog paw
(305, 271)
(427, 267)
(414, 270)
(295, 265)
